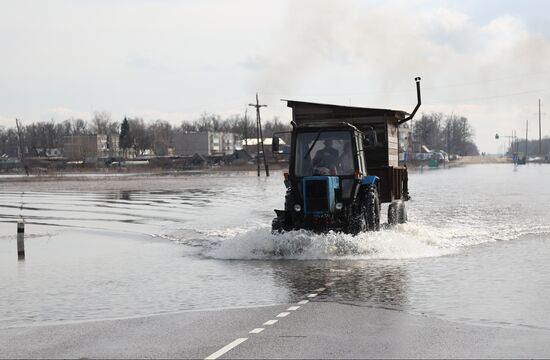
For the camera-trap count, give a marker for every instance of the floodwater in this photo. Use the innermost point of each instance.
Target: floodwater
(476, 248)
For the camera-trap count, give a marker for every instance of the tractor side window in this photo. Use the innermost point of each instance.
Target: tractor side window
(324, 153)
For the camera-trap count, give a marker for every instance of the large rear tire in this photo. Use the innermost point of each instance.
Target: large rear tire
(372, 210)
(357, 223)
(368, 216)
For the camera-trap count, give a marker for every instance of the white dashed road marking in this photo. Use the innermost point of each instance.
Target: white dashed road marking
(239, 341)
(226, 348)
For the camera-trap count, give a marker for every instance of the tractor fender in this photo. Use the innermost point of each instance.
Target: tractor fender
(367, 182)
(370, 181)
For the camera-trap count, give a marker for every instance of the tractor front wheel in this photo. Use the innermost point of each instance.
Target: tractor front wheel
(278, 225)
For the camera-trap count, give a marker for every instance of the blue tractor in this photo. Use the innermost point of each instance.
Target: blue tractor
(343, 165)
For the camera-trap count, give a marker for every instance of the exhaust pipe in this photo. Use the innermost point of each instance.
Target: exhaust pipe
(417, 80)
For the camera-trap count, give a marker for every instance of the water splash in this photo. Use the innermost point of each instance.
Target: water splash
(405, 241)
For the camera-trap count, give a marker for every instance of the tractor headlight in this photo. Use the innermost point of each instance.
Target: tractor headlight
(339, 206)
(297, 207)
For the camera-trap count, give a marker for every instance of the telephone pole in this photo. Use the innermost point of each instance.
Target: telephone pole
(246, 128)
(526, 138)
(259, 136)
(540, 132)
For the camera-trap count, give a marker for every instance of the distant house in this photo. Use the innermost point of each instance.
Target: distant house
(54, 152)
(90, 148)
(405, 136)
(49, 152)
(204, 143)
(251, 145)
(241, 157)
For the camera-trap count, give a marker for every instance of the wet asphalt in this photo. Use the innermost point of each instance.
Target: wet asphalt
(312, 328)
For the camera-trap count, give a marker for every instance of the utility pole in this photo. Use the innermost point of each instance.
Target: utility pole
(526, 138)
(259, 136)
(540, 132)
(20, 141)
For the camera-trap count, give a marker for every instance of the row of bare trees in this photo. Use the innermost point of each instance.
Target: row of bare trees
(141, 136)
(451, 133)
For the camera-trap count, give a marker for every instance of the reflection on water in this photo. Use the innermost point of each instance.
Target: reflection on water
(475, 250)
(382, 285)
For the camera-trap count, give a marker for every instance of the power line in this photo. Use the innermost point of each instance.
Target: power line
(499, 96)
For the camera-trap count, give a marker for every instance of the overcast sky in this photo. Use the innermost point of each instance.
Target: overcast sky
(173, 60)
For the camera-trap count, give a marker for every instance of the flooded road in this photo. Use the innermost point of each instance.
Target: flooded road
(475, 250)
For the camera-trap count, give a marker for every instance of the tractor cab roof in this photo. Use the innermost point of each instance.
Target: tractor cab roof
(318, 114)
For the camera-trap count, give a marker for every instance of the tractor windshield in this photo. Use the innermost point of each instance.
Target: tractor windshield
(324, 153)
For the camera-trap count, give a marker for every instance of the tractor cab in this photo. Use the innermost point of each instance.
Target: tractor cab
(321, 151)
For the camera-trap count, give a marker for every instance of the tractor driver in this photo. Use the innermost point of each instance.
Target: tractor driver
(326, 159)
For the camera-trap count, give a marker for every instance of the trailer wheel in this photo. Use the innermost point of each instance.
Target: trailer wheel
(402, 213)
(392, 214)
(372, 210)
(397, 213)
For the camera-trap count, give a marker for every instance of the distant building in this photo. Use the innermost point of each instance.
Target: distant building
(90, 148)
(204, 143)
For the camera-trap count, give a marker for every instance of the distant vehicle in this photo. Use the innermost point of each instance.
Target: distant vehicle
(343, 165)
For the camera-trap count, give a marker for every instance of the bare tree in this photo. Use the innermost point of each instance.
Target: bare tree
(450, 133)
(161, 133)
(142, 139)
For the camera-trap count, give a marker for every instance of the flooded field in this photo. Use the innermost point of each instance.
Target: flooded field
(475, 250)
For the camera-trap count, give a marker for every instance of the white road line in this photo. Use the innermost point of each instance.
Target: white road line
(320, 290)
(293, 308)
(225, 349)
(283, 314)
(270, 322)
(303, 302)
(256, 331)
(312, 295)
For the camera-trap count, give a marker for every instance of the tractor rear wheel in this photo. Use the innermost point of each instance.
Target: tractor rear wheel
(357, 223)
(368, 217)
(372, 210)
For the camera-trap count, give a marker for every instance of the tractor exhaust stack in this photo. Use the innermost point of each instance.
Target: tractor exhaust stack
(417, 80)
